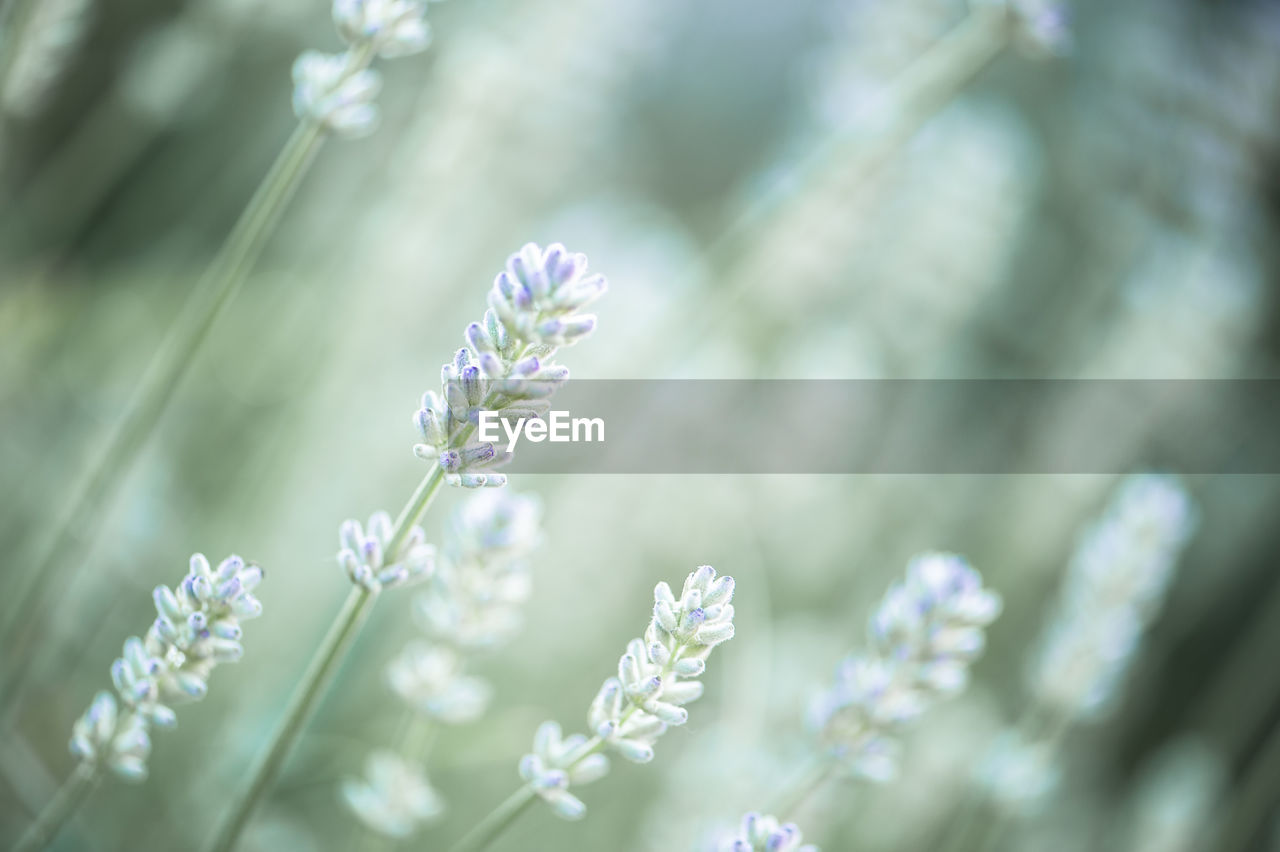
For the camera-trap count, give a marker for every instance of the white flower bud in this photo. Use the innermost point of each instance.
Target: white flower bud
(364, 558)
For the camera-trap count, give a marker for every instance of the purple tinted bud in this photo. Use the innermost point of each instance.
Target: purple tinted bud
(450, 461)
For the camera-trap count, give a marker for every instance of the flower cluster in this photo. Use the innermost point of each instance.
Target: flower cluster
(1115, 585)
(924, 635)
(764, 834)
(556, 763)
(394, 796)
(336, 91)
(365, 558)
(333, 91)
(471, 603)
(475, 600)
(506, 366)
(197, 626)
(655, 679)
(431, 680)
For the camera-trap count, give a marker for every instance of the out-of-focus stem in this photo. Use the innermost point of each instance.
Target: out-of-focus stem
(498, 820)
(857, 152)
(1039, 724)
(333, 648)
(74, 528)
(50, 821)
(799, 791)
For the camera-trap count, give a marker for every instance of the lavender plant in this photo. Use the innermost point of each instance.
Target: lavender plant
(765, 834)
(332, 94)
(506, 366)
(474, 603)
(1114, 586)
(657, 676)
(924, 636)
(470, 605)
(535, 310)
(394, 797)
(197, 627)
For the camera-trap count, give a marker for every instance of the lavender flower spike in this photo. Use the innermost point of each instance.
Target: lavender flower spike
(197, 627)
(924, 636)
(331, 91)
(482, 580)
(506, 366)
(1115, 585)
(365, 559)
(656, 678)
(336, 91)
(470, 603)
(764, 834)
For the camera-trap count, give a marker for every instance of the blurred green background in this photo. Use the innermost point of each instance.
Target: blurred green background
(768, 198)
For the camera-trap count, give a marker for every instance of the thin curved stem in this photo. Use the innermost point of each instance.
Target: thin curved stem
(505, 814)
(61, 807)
(973, 824)
(333, 648)
(413, 741)
(498, 820)
(793, 797)
(74, 528)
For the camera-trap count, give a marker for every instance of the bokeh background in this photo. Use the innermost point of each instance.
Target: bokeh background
(775, 190)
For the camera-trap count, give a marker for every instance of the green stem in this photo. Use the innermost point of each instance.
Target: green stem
(504, 814)
(60, 808)
(974, 824)
(323, 664)
(815, 776)
(498, 820)
(414, 509)
(74, 528)
(332, 649)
